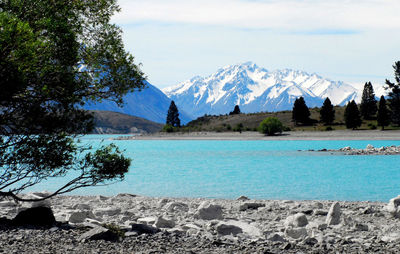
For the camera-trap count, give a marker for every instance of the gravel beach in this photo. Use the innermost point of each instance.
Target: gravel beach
(183, 225)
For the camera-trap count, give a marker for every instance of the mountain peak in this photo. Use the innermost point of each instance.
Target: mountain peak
(255, 89)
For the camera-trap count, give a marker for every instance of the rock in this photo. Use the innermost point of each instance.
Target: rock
(322, 226)
(297, 220)
(163, 202)
(320, 212)
(80, 216)
(370, 147)
(227, 229)
(334, 213)
(9, 204)
(36, 216)
(99, 233)
(147, 220)
(276, 238)
(164, 223)
(296, 233)
(177, 207)
(394, 207)
(391, 237)
(242, 198)
(109, 211)
(360, 227)
(37, 195)
(310, 241)
(248, 205)
(144, 229)
(208, 211)
(81, 207)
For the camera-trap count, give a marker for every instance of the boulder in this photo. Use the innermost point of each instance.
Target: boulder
(296, 233)
(164, 223)
(177, 207)
(334, 213)
(394, 207)
(227, 229)
(242, 198)
(208, 211)
(80, 216)
(35, 216)
(99, 233)
(248, 205)
(109, 211)
(147, 220)
(360, 227)
(276, 238)
(297, 220)
(144, 229)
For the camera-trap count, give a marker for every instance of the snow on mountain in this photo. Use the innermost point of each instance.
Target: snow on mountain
(256, 89)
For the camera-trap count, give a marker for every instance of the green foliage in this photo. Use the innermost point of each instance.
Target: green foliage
(383, 117)
(235, 111)
(394, 95)
(115, 229)
(238, 127)
(54, 57)
(372, 126)
(352, 116)
(173, 115)
(368, 106)
(300, 113)
(270, 126)
(168, 128)
(327, 113)
(328, 128)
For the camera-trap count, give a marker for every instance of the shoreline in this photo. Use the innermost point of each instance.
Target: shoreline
(293, 135)
(199, 225)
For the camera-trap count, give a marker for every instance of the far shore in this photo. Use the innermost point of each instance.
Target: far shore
(292, 135)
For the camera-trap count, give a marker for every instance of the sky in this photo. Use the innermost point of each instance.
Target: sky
(354, 41)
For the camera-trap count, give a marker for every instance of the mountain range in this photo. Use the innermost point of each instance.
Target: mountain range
(256, 89)
(149, 103)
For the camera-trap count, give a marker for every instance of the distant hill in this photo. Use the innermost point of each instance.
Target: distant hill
(108, 122)
(150, 103)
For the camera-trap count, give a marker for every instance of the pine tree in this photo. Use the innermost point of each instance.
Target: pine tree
(368, 106)
(394, 95)
(173, 115)
(383, 117)
(352, 116)
(235, 111)
(300, 113)
(327, 113)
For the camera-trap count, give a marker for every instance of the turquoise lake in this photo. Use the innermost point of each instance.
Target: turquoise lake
(257, 169)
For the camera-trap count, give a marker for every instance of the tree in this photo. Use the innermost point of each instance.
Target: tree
(368, 105)
(327, 113)
(55, 56)
(300, 112)
(173, 116)
(394, 95)
(270, 126)
(235, 111)
(352, 115)
(383, 117)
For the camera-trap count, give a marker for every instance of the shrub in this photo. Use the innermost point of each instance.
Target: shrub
(372, 126)
(270, 126)
(168, 128)
(328, 128)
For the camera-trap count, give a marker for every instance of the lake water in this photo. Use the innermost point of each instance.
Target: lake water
(257, 169)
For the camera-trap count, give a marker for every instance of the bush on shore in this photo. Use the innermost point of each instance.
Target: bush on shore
(270, 126)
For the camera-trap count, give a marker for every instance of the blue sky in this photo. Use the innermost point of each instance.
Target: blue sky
(349, 40)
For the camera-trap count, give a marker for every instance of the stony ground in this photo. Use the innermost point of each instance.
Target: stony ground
(206, 226)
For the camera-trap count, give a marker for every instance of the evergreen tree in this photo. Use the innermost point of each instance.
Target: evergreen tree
(235, 111)
(173, 115)
(383, 117)
(300, 113)
(394, 95)
(368, 106)
(352, 115)
(327, 112)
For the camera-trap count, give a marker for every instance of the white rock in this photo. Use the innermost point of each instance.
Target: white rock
(334, 213)
(81, 207)
(8, 204)
(147, 220)
(80, 216)
(370, 147)
(296, 233)
(208, 211)
(394, 207)
(109, 211)
(177, 207)
(391, 237)
(164, 223)
(297, 220)
(246, 228)
(190, 226)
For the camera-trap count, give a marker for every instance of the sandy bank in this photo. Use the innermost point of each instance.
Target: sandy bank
(293, 135)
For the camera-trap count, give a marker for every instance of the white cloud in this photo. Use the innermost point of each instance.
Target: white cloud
(286, 15)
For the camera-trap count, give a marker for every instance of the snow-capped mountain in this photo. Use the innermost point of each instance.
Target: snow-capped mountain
(256, 89)
(150, 103)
